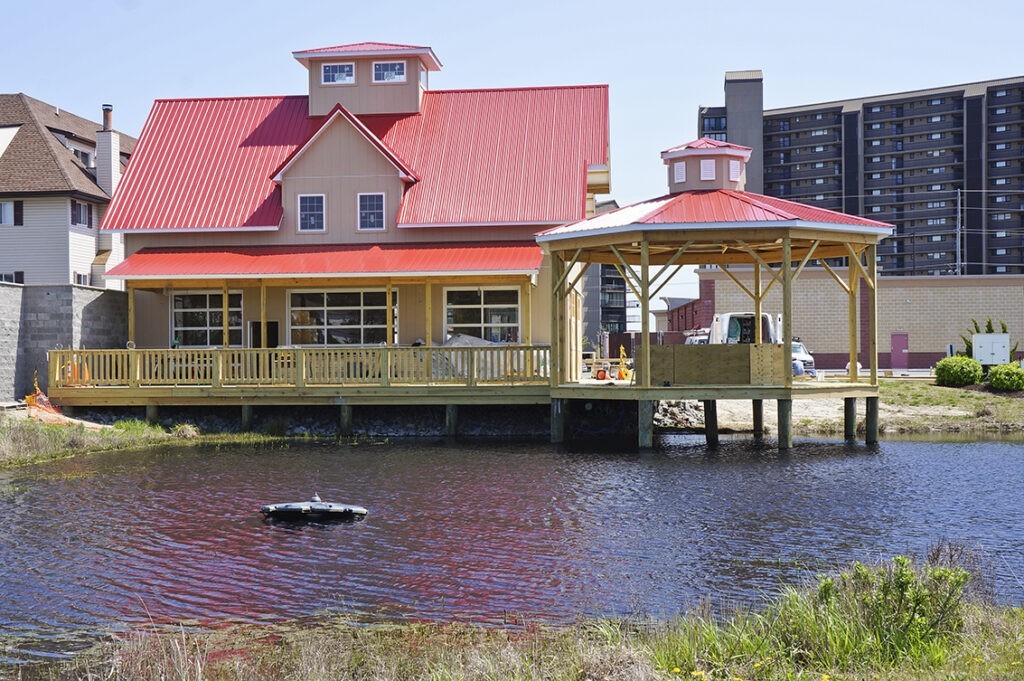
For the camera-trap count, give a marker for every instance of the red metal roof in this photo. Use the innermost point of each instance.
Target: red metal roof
(720, 208)
(509, 156)
(365, 47)
(511, 257)
(707, 143)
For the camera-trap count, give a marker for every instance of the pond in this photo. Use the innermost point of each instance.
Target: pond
(485, 532)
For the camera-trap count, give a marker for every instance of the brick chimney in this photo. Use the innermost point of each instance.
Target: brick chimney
(108, 154)
(706, 164)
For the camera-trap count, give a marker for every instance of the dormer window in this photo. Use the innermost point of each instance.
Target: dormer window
(338, 74)
(707, 169)
(679, 169)
(371, 212)
(389, 72)
(734, 170)
(311, 212)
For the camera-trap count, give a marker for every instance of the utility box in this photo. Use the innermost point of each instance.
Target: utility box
(991, 348)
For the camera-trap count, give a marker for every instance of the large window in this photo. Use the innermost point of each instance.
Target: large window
(488, 313)
(338, 74)
(81, 213)
(389, 72)
(198, 319)
(311, 212)
(371, 211)
(7, 212)
(342, 317)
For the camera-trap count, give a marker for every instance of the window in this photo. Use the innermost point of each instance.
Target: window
(936, 256)
(679, 172)
(371, 211)
(935, 136)
(1001, 146)
(81, 214)
(876, 192)
(1000, 235)
(935, 102)
(935, 153)
(84, 156)
(1001, 269)
(936, 204)
(1001, 164)
(876, 143)
(819, 180)
(1000, 93)
(488, 313)
(935, 119)
(936, 237)
(819, 197)
(1002, 180)
(935, 187)
(999, 217)
(1000, 111)
(876, 209)
(818, 133)
(13, 277)
(1000, 128)
(338, 74)
(197, 319)
(876, 109)
(341, 317)
(819, 164)
(1000, 251)
(1001, 199)
(82, 279)
(819, 116)
(819, 149)
(936, 221)
(707, 169)
(937, 170)
(311, 212)
(389, 72)
(876, 126)
(876, 159)
(11, 213)
(735, 168)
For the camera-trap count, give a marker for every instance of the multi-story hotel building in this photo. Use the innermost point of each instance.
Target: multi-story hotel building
(944, 165)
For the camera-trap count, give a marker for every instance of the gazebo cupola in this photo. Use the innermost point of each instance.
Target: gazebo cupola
(706, 164)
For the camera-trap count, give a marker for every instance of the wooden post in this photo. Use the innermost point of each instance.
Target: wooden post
(217, 369)
(263, 314)
(558, 418)
(873, 313)
(526, 310)
(854, 277)
(345, 420)
(758, 335)
(152, 413)
(785, 424)
(757, 407)
(645, 309)
(428, 336)
(246, 416)
(390, 340)
(850, 418)
(645, 423)
(300, 368)
(557, 330)
(711, 422)
(787, 317)
(224, 314)
(871, 421)
(451, 420)
(131, 316)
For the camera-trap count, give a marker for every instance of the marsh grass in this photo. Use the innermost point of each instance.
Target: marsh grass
(954, 409)
(894, 621)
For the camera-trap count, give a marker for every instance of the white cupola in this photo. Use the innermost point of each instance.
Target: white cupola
(706, 164)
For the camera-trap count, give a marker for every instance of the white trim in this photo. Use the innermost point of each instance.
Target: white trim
(418, 225)
(713, 151)
(405, 72)
(331, 275)
(337, 63)
(716, 226)
(298, 214)
(383, 212)
(424, 54)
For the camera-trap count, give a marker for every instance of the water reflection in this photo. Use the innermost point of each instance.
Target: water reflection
(480, 532)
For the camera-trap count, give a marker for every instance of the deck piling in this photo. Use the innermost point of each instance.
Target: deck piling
(757, 409)
(871, 421)
(152, 413)
(645, 423)
(850, 418)
(246, 416)
(711, 422)
(558, 416)
(345, 420)
(451, 420)
(785, 424)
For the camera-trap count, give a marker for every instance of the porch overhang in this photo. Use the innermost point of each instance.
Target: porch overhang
(332, 261)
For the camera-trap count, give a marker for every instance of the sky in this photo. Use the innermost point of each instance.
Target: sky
(662, 60)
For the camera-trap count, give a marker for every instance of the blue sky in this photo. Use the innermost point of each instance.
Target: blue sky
(661, 59)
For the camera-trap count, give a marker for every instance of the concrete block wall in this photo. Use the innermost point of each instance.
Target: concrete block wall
(34, 319)
(932, 311)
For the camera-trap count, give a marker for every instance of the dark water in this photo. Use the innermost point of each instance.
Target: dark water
(479, 532)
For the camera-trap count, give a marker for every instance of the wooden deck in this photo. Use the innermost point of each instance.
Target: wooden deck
(515, 374)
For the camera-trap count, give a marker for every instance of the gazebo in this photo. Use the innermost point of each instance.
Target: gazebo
(760, 242)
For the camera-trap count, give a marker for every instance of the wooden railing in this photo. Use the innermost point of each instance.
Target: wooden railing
(342, 366)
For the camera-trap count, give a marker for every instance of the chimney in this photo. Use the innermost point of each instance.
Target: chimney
(108, 154)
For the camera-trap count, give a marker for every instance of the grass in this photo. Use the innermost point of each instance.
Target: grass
(24, 441)
(895, 621)
(937, 408)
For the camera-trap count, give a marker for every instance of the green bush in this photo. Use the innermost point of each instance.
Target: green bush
(1007, 377)
(956, 372)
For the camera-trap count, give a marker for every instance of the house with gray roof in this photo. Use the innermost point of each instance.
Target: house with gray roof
(58, 172)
